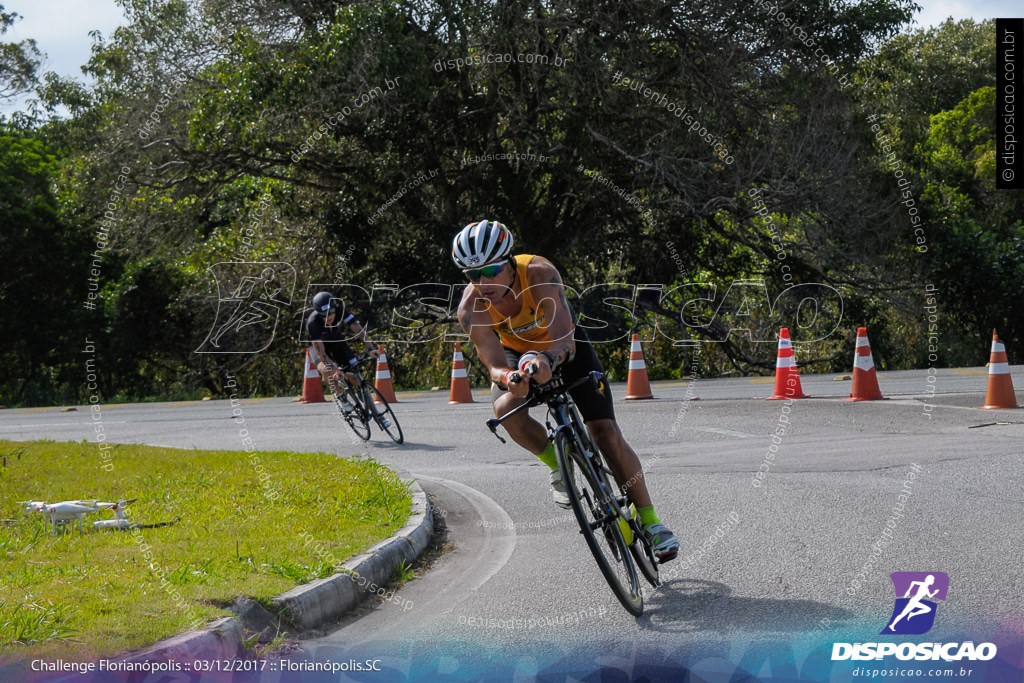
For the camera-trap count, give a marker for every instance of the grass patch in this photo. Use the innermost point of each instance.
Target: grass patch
(101, 592)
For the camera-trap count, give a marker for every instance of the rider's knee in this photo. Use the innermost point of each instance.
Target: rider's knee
(606, 433)
(605, 430)
(501, 405)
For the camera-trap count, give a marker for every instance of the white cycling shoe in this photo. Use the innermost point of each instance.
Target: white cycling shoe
(558, 491)
(663, 542)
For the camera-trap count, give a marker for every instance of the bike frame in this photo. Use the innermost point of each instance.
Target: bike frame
(359, 389)
(362, 392)
(607, 511)
(562, 409)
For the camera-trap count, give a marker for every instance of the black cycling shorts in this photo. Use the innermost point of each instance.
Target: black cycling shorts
(592, 405)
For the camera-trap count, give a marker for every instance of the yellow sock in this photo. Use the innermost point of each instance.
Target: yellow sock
(547, 456)
(647, 515)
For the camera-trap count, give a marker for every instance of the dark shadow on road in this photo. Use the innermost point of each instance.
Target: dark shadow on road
(408, 445)
(692, 605)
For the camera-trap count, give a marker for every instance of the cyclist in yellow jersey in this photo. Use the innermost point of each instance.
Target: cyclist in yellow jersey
(516, 305)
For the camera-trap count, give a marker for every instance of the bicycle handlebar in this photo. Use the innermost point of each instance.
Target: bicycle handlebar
(546, 393)
(351, 367)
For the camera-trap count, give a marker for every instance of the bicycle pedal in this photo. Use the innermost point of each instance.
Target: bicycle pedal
(667, 557)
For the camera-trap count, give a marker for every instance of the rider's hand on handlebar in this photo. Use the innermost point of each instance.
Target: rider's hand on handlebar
(518, 384)
(539, 370)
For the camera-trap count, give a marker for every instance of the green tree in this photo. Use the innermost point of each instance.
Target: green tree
(978, 231)
(926, 71)
(214, 106)
(19, 62)
(932, 91)
(44, 275)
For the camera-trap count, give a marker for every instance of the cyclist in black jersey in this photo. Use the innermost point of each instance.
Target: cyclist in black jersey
(329, 337)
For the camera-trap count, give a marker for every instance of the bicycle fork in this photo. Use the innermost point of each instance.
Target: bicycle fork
(618, 509)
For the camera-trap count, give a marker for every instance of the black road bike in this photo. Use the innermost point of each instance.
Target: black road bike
(607, 520)
(362, 404)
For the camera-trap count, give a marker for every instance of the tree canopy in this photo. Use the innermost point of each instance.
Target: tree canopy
(695, 146)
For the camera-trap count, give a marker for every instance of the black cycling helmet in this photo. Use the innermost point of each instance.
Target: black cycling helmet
(481, 243)
(322, 303)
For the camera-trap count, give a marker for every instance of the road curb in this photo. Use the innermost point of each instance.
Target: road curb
(325, 600)
(313, 604)
(220, 640)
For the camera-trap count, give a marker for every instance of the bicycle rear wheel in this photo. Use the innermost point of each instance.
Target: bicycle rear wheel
(382, 411)
(356, 416)
(589, 496)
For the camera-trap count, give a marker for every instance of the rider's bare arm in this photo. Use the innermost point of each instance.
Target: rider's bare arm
(324, 364)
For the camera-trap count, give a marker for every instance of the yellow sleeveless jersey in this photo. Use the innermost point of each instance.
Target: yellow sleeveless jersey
(526, 330)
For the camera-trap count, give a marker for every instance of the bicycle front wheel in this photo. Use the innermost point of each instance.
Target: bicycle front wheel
(355, 415)
(590, 498)
(383, 415)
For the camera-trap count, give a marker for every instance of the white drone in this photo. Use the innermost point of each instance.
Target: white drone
(60, 514)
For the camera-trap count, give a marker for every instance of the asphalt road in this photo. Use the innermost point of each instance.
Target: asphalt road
(767, 576)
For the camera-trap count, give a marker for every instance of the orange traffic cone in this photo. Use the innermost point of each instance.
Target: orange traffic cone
(637, 384)
(312, 388)
(787, 379)
(460, 392)
(1000, 386)
(382, 381)
(865, 381)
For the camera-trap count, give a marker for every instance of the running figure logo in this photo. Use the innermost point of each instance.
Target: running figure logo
(914, 612)
(250, 297)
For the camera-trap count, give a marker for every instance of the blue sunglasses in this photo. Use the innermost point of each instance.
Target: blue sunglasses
(475, 274)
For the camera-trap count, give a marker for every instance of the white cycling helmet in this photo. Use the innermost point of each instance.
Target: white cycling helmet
(481, 243)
